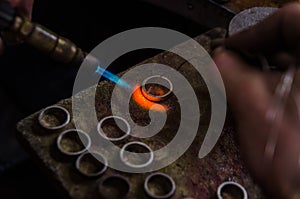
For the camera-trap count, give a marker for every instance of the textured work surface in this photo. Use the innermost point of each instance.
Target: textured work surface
(196, 178)
(214, 13)
(248, 18)
(239, 5)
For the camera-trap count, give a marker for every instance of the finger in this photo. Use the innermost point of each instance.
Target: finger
(280, 30)
(24, 7)
(238, 76)
(248, 98)
(283, 60)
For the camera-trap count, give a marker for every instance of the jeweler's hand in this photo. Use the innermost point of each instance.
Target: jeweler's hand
(251, 91)
(24, 8)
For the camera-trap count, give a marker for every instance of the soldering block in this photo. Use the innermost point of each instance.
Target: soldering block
(194, 177)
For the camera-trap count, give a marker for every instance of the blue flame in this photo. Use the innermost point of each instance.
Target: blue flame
(112, 77)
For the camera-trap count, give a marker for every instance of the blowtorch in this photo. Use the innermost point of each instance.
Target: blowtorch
(17, 29)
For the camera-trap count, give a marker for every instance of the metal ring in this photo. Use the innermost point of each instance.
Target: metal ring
(162, 175)
(156, 98)
(136, 165)
(119, 183)
(58, 112)
(92, 154)
(242, 190)
(102, 134)
(86, 144)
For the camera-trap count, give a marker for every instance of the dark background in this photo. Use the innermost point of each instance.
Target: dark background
(30, 81)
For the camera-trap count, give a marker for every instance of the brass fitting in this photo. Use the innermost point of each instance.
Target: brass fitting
(57, 47)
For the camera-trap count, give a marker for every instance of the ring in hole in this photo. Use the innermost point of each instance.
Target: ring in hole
(156, 88)
(112, 130)
(160, 186)
(231, 191)
(136, 154)
(53, 117)
(90, 165)
(71, 142)
(114, 187)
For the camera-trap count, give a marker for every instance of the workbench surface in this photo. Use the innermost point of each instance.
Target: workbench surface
(195, 178)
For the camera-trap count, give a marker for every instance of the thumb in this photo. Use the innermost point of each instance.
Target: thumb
(25, 8)
(248, 96)
(244, 84)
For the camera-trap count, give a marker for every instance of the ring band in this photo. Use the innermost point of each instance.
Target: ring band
(162, 176)
(119, 184)
(83, 137)
(156, 98)
(54, 114)
(233, 185)
(123, 149)
(102, 134)
(96, 156)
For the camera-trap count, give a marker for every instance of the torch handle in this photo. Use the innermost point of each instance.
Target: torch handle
(19, 29)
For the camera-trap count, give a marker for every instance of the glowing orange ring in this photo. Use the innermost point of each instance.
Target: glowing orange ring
(156, 98)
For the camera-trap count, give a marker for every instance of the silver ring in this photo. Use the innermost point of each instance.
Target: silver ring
(232, 188)
(75, 135)
(98, 155)
(150, 160)
(162, 176)
(57, 114)
(101, 132)
(116, 185)
(156, 98)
